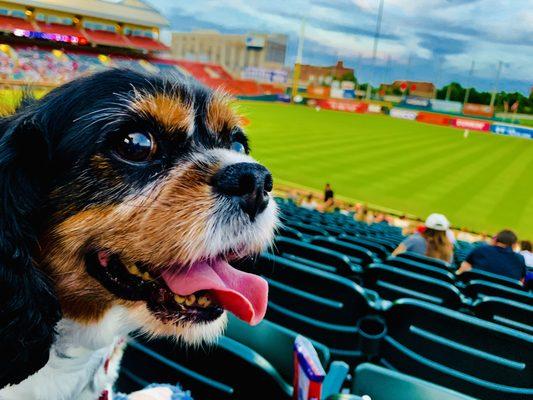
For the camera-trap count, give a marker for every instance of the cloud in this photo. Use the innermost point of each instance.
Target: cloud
(437, 35)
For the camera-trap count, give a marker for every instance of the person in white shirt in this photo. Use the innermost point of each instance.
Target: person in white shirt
(525, 250)
(309, 202)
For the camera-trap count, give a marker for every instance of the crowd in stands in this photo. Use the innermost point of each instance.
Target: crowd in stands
(502, 255)
(47, 67)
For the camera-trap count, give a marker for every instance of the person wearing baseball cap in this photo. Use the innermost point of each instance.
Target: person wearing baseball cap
(432, 240)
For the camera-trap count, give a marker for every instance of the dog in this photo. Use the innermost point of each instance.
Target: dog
(124, 198)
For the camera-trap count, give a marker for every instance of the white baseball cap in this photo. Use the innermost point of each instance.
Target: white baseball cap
(437, 222)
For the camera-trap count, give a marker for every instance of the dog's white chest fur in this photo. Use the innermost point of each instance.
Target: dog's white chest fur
(84, 362)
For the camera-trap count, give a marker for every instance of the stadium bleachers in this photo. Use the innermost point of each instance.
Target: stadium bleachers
(426, 332)
(48, 66)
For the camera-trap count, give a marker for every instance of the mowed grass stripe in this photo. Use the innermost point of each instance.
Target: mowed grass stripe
(399, 164)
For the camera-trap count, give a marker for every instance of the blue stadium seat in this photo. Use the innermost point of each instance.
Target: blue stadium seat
(505, 312)
(421, 268)
(315, 256)
(476, 274)
(478, 288)
(393, 283)
(351, 250)
(426, 260)
(322, 306)
(458, 351)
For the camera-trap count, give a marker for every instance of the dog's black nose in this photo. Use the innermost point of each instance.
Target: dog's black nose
(249, 182)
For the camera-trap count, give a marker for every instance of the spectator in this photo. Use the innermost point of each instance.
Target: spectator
(431, 241)
(525, 250)
(328, 193)
(498, 258)
(309, 202)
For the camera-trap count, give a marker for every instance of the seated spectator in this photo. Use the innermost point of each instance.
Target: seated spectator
(432, 240)
(309, 202)
(525, 250)
(498, 258)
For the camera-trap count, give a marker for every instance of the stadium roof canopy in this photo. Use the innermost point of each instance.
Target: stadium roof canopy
(129, 11)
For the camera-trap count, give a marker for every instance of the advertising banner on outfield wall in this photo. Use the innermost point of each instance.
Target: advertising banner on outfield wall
(512, 130)
(403, 113)
(342, 105)
(431, 118)
(415, 101)
(446, 106)
(318, 91)
(470, 124)
(478, 109)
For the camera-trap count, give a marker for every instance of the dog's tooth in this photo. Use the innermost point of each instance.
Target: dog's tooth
(190, 300)
(204, 301)
(146, 276)
(179, 299)
(132, 269)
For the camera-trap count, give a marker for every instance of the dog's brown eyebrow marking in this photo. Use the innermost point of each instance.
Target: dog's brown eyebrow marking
(174, 113)
(221, 115)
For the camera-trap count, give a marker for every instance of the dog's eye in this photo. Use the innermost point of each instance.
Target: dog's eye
(238, 147)
(136, 147)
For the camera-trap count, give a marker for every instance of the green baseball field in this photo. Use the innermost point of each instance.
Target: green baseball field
(483, 182)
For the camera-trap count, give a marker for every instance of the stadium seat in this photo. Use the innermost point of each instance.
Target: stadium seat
(476, 274)
(505, 312)
(377, 248)
(384, 384)
(276, 344)
(458, 351)
(479, 288)
(246, 359)
(315, 256)
(215, 372)
(287, 231)
(351, 250)
(312, 292)
(308, 229)
(322, 306)
(421, 268)
(426, 260)
(393, 283)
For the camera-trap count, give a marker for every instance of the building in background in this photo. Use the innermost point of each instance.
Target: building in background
(313, 74)
(256, 56)
(412, 88)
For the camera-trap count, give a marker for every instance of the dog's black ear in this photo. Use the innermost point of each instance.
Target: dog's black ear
(29, 309)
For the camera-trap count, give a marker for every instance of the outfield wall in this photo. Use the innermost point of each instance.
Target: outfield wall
(459, 121)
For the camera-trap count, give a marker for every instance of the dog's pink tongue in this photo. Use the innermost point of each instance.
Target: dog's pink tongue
(244, 294)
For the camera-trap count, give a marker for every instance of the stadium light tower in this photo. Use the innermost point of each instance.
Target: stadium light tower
(470, 73)
(375, 49)
(298, 63)
(496, 82)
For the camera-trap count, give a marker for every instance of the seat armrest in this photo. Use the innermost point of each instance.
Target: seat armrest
(338, 371)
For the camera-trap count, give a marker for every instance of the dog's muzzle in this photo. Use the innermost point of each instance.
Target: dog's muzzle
(247, 183)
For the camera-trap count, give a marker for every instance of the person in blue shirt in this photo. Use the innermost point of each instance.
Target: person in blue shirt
(498, 258)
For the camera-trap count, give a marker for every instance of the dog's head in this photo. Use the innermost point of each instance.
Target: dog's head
(127, 190)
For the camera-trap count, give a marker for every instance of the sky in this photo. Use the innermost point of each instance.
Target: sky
(435, 40)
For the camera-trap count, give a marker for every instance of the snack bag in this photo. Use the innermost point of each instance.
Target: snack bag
(308, 371)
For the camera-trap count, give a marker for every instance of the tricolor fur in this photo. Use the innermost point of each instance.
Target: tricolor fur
(67, 197)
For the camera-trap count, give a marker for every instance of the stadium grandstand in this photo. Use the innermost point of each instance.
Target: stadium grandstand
(395, 306)
(45, 43)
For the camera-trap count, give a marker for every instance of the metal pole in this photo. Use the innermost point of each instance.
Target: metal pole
(496, 82)
(298, 63)
(375, 48)
(467, 93)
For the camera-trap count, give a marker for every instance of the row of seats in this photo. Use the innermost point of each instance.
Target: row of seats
(357, 304)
